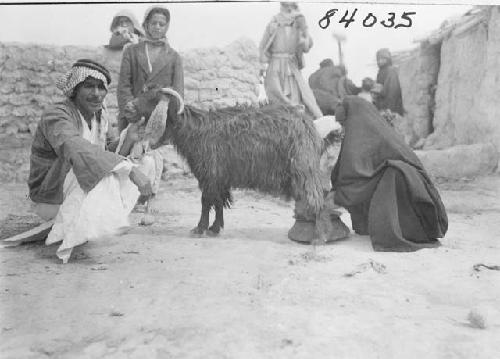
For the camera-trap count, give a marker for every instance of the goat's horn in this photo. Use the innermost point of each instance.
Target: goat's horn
(174, 93)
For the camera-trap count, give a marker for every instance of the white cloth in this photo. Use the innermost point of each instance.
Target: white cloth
(150, 162)
(262, 96)
(326, 124)
(102, 211)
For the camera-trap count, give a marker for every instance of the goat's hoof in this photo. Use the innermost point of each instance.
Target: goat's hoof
(212, 232)
(197, 232)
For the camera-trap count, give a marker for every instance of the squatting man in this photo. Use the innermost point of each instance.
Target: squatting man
(76, 183)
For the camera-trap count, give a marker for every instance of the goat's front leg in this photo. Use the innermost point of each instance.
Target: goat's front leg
(204, 219)
(215, 228)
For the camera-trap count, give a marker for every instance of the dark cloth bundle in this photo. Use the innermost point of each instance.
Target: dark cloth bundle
(383, 184)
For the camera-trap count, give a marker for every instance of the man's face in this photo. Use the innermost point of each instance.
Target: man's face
(157, 26)
(90, 95)
(381, 61)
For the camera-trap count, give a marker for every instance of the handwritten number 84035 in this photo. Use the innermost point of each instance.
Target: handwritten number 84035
(369, 20)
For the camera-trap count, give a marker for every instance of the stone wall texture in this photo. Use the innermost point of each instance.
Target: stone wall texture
(461, 161)
(450, 89)
(418, 76)
(214, 78)
(467, 106)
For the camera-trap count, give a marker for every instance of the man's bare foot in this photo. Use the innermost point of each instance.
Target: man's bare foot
(153, 206)
(147, 220)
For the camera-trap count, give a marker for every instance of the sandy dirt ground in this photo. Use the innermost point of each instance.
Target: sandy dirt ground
(156, 292)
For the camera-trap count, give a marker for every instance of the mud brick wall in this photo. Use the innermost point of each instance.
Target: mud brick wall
(214, 77)
(450, 89)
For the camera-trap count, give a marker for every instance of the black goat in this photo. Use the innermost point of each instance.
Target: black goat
(274, 149)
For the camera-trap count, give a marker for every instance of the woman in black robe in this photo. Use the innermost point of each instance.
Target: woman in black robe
(382, 183)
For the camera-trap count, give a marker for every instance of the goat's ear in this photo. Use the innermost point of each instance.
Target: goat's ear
(173, 109)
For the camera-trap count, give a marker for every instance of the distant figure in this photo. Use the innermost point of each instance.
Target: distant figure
(389, 96)
(346, 86)
(125, 30)
(330, 85)
(323, 83)
(367, 85)
(316, 75)
(285, 41)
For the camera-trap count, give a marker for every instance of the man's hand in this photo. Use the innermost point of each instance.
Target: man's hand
(135, 131)
(142, 182)
(130, 111)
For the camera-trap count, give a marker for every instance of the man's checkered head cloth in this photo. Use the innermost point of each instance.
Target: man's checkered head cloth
(80, 70)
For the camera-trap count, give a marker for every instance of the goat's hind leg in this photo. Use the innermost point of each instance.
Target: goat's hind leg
(215, 228)
(204, 219)
(225, 199)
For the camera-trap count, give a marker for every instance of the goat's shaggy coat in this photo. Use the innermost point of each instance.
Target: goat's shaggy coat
(274, 149)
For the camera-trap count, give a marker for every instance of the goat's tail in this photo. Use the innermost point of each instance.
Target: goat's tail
(307, 184)
(306, 172)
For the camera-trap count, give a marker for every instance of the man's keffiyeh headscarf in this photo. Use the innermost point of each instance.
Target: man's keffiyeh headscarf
(80, 70)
